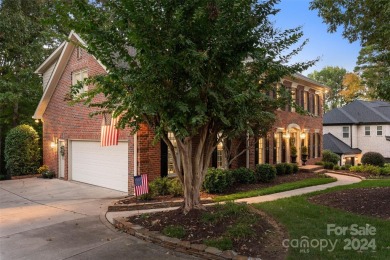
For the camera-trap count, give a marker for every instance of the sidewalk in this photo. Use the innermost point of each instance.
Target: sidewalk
(341, 180)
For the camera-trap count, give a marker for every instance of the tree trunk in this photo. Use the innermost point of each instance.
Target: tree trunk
(192, 164)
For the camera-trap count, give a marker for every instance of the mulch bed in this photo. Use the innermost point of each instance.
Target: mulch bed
(26, 176)
(266, 241)
(206, 197)
(373, 202)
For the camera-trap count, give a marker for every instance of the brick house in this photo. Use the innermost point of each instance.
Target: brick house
(71, 139)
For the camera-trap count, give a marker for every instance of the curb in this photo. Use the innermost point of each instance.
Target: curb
(175, 243)
(347, 174)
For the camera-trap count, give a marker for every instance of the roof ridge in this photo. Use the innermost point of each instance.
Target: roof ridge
(348, 115)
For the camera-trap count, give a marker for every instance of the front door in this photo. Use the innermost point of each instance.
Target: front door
(61, 159)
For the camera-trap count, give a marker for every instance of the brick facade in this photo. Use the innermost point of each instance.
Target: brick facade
(64, 122)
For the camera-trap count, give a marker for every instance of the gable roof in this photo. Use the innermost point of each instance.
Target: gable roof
(359, 112)
(61, 56)
(335, 145)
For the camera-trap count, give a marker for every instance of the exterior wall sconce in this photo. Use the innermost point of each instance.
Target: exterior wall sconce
(303, 135)
(287, 135)
(53, 144)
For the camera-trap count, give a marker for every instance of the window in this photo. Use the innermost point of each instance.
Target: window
(305, 99)
(219, 155)
(261, 150)
(279, 138)
(345, 131)
(367, 131)
(379, 131)
(78, 76)
(316, 105)
(171, 168)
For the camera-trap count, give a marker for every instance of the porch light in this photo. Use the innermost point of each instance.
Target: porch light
(303, 135)
(286, 135)
(37, 121)
(52, 144)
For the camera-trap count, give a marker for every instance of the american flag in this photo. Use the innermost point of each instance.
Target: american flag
(141, 184)
(109, 133)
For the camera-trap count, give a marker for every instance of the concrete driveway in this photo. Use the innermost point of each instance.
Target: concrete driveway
(55, 219)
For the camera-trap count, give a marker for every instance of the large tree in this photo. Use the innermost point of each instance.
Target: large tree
(366, 21)
(25, 41)
(352, 88)
(200, 69)
(332, 77)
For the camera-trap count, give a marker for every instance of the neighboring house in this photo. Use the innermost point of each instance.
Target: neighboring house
(360, 125)
(71, 139)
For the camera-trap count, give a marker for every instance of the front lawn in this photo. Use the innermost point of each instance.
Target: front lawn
(275, 189)
(306, 221)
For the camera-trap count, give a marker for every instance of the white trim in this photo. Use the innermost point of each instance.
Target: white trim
(50, 59)
(135, 154)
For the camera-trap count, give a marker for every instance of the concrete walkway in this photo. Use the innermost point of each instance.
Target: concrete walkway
(341, 180)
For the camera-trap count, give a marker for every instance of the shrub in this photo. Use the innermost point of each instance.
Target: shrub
(21, 151)
(319, 163)
(385, 170)
(175, 188)
(347, 166)
(371, 169)
(304, 150)
(160, 186)
(48, 174)
(373, 158)
(265, 172)
(328, 165)
(289, 168)
(146, 196)
(329, 156)
(42, 169)
(280, 168)
(293, 151)
(343, 168)
(243, 175)
(336, 167)
(217, 180)
(295, 168)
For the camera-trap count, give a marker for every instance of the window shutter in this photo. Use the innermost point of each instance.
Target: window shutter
(267, 149)
(164, 159)
(283, 150)
(274, 149)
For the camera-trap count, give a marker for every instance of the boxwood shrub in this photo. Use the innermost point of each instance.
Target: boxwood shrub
(217, 180)
(373, 158)
(265, 172)
(243, 175)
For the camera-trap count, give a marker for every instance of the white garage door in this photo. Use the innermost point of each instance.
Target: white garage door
(102, 166)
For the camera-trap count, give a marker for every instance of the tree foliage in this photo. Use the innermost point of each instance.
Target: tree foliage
(22, 152)
(199, 69)
(332, 77)
(352, 88)
(25, 41)
(368, 22)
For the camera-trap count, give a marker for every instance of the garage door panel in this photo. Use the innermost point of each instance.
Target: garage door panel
(102, 166)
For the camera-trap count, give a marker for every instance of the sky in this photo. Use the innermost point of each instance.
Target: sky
(331, 48)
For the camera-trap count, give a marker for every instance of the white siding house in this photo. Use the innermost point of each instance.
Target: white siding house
(364, 125)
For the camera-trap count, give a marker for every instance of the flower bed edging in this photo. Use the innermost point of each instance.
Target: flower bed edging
(175, 243)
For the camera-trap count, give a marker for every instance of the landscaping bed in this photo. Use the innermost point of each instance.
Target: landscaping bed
(206, 197)
(230, 226)
(374, 202)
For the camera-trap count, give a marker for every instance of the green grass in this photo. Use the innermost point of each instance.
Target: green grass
(223, 243)
(174, 231)
(275, 189)
(302, 218)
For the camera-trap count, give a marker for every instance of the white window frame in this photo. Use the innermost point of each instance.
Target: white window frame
(261, 150)
(220, 155)
(305, 100)
(171, 167)
(379, 130)
(78, 76)
(346, 132)
(367, 129)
